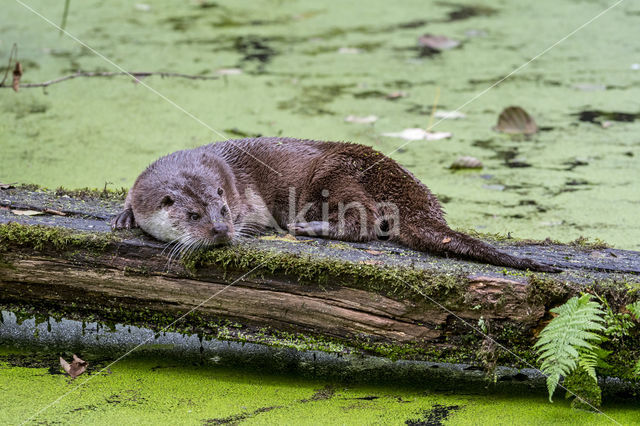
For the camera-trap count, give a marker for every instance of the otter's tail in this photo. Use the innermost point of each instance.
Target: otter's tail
(443, 240)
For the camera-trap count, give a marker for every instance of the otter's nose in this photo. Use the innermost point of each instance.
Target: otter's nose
(219, 228)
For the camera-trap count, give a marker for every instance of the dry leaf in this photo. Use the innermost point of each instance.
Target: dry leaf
(449, 115)
(374, 252)
(17, 73)
(143, 7)
(361, 120)
(371, 262)
(437, 42)
(415, 134)
(516, 120)
(55, 212)
(76, 368)
(396, 95)
(466, 163)
(27, 212)
(446, 240)
(229, 71)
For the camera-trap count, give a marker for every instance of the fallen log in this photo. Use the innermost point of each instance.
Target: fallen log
(59, 257)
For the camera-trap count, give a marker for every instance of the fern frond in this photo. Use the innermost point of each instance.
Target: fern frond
(571, 337)
(589, 361)
(634, 308)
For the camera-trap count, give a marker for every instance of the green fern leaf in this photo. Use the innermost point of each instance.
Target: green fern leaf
(570, 339)
(589, 361)
(634, 308)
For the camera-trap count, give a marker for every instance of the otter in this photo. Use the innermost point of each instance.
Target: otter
(217, 193)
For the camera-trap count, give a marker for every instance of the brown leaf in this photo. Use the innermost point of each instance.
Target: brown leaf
(466, 163)
(17, 73)
(76, 368)
(446, 240)
(26, 212)
(516, 120)
(362, 120)
(396, 95)
(56, 212)
(437, 42)
(374, 252)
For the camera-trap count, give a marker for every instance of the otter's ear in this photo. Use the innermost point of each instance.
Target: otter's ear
(220, 191)
(166, 201)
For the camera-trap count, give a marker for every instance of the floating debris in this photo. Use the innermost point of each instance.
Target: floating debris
(143, 7)
(416, 134)
(450, 115)
(495, 187)
(437, 43)
(466, 162)
(515, 120)
(76, 368)
(361, 120)
(396, 95)
(229, 71)
(600, 117)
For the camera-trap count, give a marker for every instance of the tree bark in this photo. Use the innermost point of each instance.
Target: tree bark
(307, 293)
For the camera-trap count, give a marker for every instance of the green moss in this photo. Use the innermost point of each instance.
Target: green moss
(81, 193)
(589, 394)
(92, 193)
(41, 237)
(397, 281)
(547, 291)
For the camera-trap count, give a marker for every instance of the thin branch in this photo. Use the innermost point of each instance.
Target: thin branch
(65, 13)
(111, 74)
(14, 52)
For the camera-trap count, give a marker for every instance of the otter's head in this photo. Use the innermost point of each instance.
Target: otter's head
(190, 208)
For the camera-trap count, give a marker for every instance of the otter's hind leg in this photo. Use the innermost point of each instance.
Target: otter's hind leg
(349, 216)
(351, 226)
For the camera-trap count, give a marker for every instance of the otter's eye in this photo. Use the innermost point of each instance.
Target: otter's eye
(220, 191)
(224, 210)
(194, 216)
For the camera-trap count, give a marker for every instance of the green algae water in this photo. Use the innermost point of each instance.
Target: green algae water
(304, 67)
(158, 389)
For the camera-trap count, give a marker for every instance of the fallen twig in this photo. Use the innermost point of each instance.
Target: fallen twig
(137, 75)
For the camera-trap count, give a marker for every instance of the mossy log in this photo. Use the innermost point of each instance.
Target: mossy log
(305, 293)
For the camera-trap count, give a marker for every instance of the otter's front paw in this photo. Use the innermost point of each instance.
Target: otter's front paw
(124, 220)
(311, 229)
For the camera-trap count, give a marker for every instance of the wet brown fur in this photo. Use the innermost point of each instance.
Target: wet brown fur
(349, 172)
